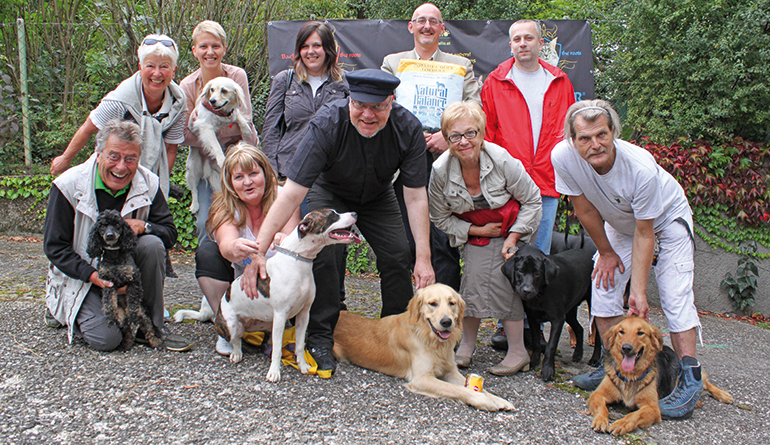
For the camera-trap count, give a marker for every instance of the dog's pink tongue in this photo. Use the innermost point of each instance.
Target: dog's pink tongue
(444, 334)
(628, 364)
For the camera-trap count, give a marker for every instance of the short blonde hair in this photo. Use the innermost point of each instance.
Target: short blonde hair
(465, 109)
(158, 49)
(212, 28)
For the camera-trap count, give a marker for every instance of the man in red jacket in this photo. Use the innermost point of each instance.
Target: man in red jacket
(525, 100)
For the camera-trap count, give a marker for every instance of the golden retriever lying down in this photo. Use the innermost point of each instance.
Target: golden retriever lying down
(640, 369)
(417, 345)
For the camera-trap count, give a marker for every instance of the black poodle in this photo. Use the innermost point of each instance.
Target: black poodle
(113, 242)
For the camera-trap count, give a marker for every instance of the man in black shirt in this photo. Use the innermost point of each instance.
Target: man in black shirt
(110, 179)
(346, 161)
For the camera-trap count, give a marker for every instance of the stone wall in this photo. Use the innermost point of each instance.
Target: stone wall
(710, 268)
(22, 216)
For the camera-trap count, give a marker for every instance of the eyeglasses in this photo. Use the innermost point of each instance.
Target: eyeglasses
(423, 20)
(375, 107)
(152, 41)
(468, 135)
(115, 159)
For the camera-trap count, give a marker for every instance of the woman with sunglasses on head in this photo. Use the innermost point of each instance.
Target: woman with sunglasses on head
(482, 197)
(297, 93)
(209, 46)
(152, 100)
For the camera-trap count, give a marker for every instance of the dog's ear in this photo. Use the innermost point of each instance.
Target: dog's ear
(239, 95)
(94, 246)
(509, 270)
(609, 336)
(414, 306)
(302, 229)
(128, 238)
(205, 95)
(460, 306)
(656, 338)
(551, 270)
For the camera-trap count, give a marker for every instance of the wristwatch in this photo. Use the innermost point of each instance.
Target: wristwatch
(148, 228)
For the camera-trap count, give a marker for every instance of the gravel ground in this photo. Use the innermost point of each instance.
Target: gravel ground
(52, 392)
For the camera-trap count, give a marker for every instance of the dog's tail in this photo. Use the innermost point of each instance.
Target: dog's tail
(203, 315)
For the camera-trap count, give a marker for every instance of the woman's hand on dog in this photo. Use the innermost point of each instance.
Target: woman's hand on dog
(604, 269)
(244, 248)
(509, 246)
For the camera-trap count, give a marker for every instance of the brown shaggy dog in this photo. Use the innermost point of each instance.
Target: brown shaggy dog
(417, 345)
(640, 369)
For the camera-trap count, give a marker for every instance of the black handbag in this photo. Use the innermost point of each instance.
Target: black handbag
(282, 120)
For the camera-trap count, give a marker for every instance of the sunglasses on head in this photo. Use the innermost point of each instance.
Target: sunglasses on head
(152, 41)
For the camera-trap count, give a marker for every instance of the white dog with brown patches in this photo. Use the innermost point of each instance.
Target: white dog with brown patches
(417, 345)
(288, 292)
(215, 108)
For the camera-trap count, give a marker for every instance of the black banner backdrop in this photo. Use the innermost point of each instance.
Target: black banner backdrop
(364, 43)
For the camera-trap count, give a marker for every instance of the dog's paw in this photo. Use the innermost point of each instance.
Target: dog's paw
(601, 424)
(274, 375)
(194, 207)
(502, 404)
(577, 355)
(622, 426)
(304, 367)
(220, 160)
(236, 356)
(547, 373)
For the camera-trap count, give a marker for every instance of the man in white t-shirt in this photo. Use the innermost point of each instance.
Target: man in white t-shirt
(638, 216)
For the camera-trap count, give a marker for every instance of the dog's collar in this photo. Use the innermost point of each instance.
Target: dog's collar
(211, 108)
(294, 255)
(634, 380)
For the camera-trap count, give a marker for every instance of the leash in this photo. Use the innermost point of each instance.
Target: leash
(208, 106)
(294, 255)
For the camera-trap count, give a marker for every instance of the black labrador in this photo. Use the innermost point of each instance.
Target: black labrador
(551, 288)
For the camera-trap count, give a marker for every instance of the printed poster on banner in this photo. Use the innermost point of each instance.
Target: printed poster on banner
(427, 87)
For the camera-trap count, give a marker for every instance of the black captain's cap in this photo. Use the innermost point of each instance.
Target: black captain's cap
(371, 86)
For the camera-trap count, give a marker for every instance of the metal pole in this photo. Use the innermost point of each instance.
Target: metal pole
(24, 94)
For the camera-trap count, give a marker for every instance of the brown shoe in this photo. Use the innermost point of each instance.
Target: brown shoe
(502, 370)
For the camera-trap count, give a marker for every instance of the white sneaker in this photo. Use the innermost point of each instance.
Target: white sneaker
(224, 347)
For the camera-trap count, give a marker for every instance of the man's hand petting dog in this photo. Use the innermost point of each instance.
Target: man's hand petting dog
(250, 278)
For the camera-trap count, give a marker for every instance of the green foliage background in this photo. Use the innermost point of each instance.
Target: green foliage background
(675, 69)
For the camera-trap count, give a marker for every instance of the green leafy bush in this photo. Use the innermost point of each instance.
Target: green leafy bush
(689, 67)
(39, 186)
(743, 287)
(726, 185)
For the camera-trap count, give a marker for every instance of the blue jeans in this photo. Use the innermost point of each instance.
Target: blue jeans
(204, 204)
(545, 230)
